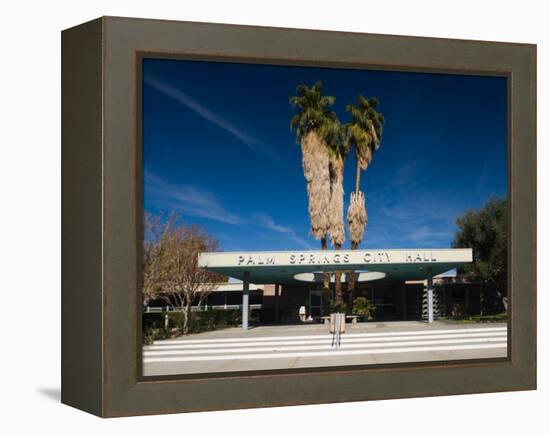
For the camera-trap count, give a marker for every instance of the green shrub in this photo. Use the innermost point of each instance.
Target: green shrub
(502, 317)
(473, 319)
(200, 321)
(332, 305)
(155, 320)
(213, 319)
(363, 307)
(151, 334)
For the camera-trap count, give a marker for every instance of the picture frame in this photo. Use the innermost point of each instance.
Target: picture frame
(101, 214)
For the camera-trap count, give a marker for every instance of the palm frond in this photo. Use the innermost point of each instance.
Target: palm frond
(364, 132)
(314, 113)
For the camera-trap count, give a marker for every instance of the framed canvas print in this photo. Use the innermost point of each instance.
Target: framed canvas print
(259, 216)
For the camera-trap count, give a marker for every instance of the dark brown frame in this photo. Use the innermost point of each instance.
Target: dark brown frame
(101, 212)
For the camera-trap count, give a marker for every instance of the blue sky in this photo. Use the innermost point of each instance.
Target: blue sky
(217, 148)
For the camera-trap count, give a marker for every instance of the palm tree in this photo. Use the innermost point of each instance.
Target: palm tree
(338, 151)
(363, 133)
(313, 122)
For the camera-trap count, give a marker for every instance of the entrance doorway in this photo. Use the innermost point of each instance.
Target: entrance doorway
(315, 303)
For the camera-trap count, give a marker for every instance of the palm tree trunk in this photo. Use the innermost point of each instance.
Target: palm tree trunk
(315, 163)
(357, 177)
(338, 296)
(336, 218)
(326, 282)
(351, 286)
(351, 274)
(326, 276)
(350, 292)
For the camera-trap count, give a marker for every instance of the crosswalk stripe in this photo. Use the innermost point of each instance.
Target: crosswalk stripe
(323, 336)
(327, 353)
(343, 347)
(344, 339)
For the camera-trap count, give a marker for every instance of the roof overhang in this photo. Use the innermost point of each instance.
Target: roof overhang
(283, 266)
(236, 287)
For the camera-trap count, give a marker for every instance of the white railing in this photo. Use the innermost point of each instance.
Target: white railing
(203, 308)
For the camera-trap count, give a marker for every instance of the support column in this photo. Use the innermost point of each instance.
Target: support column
(276, 304)
(430, 297)
(246, 291)
(403, 301)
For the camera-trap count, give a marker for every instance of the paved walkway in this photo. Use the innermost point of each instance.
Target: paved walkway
(311, 345)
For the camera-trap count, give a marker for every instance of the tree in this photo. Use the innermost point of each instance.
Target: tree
(313, 122)
(337, 156)
(152, 263)
(485, 231)
(171, 270)
(364, 134)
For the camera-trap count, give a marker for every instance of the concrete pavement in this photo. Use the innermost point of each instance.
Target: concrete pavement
(311, 345)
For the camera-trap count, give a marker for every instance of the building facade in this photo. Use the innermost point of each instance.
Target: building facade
(392, 301)
(402, 284)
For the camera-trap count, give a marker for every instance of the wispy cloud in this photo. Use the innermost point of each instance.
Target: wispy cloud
(416, 210)
(214, 118)
(406, 179)
(189, 200)
(410, 210)
(406, 173)
(427, 233)
(415, 220)
(265, 221)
